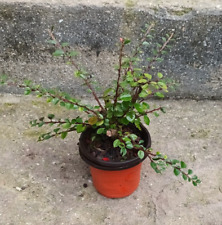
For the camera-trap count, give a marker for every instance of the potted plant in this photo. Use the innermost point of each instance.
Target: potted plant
(114, 141)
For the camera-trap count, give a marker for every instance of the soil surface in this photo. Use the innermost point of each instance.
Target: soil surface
(48, 183)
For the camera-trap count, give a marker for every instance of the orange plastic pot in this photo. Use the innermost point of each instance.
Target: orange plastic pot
(113, 179)
(116, 184)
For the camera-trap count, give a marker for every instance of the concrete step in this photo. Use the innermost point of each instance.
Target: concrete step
(195, 60)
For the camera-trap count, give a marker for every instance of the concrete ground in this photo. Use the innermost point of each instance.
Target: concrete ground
(197, 4)
(43, 183)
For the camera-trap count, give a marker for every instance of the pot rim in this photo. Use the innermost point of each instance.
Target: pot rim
(106, 165)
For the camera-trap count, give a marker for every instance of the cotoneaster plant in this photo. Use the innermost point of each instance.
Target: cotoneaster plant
(122, 104)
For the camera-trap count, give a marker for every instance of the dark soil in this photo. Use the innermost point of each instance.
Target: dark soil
(102, 147)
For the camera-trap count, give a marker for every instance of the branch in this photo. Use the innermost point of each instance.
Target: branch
(61, 47)
(119, 73)
(160, 163)
(159, 52)
(157, 109)
(143, 39)
(45, 92)
(94, 94)
(76, 66)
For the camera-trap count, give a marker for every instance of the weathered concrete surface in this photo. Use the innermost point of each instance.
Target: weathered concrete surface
(42, 183)
(94, 28)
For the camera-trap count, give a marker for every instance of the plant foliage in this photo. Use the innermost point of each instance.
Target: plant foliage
(121, 104)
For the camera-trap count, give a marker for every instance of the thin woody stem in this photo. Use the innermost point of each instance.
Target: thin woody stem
(60, 46)
(143, 39)
(157, 109)
(85, 80)
(159, 52)
(94, 94)
(119, 73)
(62, 122)
(60, 98)
(151, 155)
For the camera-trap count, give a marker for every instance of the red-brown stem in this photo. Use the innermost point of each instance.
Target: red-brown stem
(151, 155)
(94, 94)
(62, 122)
(143, 39)
(119, 74)
(158, 53)
(85, 80)
(157, 109)
(62, 99)
(59, 46)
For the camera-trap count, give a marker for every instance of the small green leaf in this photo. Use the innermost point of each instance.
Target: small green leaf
(139, 107)
(46, 136)
(183, 164)
(56, 130)
(58, 52)
(133, 137)
(159, 94)
(130, 116)
(145, 105)
(55, 101)
(129, 145)
(51, 116)
(153, 165)
(79, 120)
(73, 53)
(163, 110)
(184, 177)
(143, 94)
(27, 91)
(190, 171)
(100, 131)
(99, 123)
(126, 139)
(107, 91)
(194, 183)
(160, 75)
(41, 124)
(68, 105)
(156, 114)
(66, 125)
(141, 81)
(126, 42)
(137, 123)
(126, 97)
(175, 161)
(123, 151)
(80, 128)
(65, 44)
(146, 43)
(176, 171)
(53, 42)
(62, 104)
(124, 121)
(140, 154)
(63, 135)
(116, 143)
(194, 177)
(198, 181)
(148, 76)
(146, 120)
(164, 39)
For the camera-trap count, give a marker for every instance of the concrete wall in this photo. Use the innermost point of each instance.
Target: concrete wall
(195, 60)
